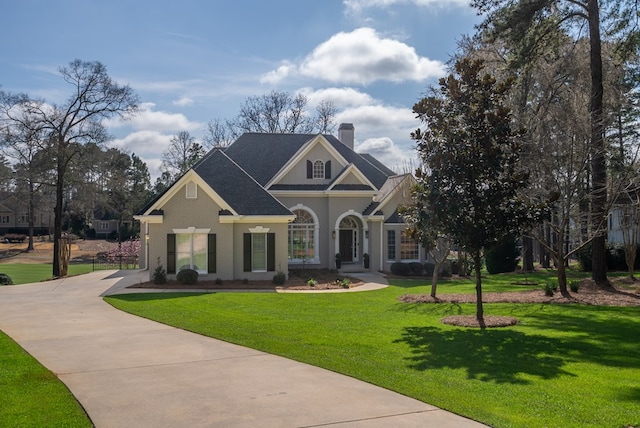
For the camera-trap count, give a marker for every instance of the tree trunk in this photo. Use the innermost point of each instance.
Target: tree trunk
(434, 279)
(57, 229)
(597, 149)
(479, 308)
(527, 254)
(30, 213)
(57, 210)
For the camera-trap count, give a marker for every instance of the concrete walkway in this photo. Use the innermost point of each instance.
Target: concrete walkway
(131, 372)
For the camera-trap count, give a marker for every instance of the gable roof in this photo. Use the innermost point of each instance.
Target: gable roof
(264, 155)
(231, 184)
(236, 187)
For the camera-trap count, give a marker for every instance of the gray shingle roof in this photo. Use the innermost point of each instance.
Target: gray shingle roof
(236, 187)
(263, 155)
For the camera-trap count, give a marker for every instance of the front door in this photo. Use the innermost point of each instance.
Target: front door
(346, 245)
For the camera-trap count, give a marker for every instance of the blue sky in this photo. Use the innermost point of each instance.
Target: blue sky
(195, 60)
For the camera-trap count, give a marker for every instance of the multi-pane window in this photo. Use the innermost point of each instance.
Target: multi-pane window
(4, 219)
(409, 249)
(391, 244)
(191, 251)
(302, 237)
(318, 169)
(258, 252)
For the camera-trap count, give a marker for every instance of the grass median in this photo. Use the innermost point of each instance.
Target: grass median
(562, 365)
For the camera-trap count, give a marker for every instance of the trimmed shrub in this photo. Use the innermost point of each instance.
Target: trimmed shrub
(615, 258)
(187, 276)
(416, 268)
(279, 278)
(502, 257)
(429, 268)
(445, 269)
(401, 269)
(159, 275)
(5, 279)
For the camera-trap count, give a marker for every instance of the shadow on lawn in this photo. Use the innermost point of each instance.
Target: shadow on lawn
(559, 334)
(502, 356)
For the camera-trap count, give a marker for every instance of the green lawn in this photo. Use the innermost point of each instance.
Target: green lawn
(28, 273)
(569, 366)
(32, 396)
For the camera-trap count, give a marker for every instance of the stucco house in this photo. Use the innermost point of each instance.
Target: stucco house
(273, 202)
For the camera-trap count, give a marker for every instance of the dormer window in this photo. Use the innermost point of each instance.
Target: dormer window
(318, 169)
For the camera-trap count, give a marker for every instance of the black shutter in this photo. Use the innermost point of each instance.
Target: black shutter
(327, 169)
(211, 256)
(246, 251)
(171, 253)
(309, 169)
(271, 252)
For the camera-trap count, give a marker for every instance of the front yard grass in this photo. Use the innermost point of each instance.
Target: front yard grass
(562, 365)
(22, 273)
(32, 396)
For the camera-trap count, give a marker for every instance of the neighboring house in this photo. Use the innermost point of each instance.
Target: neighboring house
(623, 220)
(14, 217)
(274, 202)
(107, 228)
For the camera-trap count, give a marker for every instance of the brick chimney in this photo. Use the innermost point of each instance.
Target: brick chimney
(346, 134)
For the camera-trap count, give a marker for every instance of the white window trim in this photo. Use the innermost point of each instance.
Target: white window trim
(194, 231)
(191, 190)
(266, 249)
(419, 251)
(313, 170)
(316, 236)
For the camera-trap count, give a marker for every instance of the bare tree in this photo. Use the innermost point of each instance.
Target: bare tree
(79, 120)
(218, 135)
(325, 117)
(281, 112)
(23, 142)
(183, 152)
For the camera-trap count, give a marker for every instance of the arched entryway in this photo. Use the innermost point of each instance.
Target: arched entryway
(349, 239)
(351, 235)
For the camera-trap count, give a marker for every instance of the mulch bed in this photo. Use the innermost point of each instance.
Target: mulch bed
(326, 281)
(588, 294)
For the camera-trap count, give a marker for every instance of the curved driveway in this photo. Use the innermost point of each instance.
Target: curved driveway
(131, 372)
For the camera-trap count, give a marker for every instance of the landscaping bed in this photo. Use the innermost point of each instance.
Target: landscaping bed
(326, 280)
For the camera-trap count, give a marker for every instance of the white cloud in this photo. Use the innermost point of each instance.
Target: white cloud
(386, 151)
(340, 97)
(147, 119)
(357, 6)
(379, 118)
(184, 101)
(146, 144)
(362, 57)
(279, 74)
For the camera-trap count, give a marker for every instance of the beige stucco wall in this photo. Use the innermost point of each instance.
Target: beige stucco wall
(328, 209)
(298, 174)
(201, 213)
